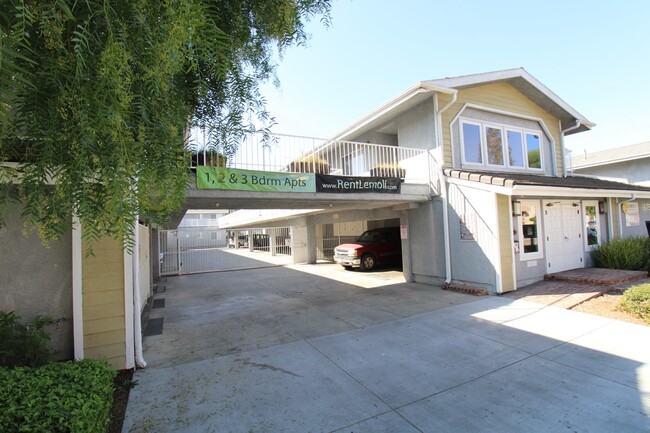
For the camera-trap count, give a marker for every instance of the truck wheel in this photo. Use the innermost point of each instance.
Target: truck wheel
(368, 262)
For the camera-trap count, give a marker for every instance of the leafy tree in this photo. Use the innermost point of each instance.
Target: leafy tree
(97, 97)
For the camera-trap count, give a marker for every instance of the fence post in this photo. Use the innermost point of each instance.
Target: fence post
(178, 253)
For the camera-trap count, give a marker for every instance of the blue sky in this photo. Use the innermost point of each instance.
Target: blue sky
(594, 54)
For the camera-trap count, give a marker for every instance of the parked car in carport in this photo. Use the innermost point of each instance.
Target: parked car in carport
(373, 247)
(242, 241)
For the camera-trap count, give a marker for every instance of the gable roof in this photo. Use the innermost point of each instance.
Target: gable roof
(519, 78)
(611, 156)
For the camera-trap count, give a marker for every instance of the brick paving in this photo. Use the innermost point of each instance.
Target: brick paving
(570, 288)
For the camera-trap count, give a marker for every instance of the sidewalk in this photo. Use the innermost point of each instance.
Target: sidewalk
(493, 364)
(570, 288)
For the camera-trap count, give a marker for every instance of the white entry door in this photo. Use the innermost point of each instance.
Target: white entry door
(562, 225)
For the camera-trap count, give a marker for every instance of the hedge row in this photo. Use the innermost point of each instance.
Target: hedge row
(72, 397)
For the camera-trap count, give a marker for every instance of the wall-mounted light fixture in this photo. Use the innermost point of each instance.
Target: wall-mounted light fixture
(516, 208)
(601, 207)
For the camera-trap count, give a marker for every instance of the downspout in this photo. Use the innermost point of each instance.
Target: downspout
(620, 213)
(443, 187)
(562, 148)
(137, 325)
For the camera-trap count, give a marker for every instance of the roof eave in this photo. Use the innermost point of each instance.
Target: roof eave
(547, 191)
(582, 164)
(509, 75)
(391, 105)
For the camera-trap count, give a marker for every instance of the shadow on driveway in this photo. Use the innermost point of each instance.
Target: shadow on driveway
(343, 357)
(217, 314)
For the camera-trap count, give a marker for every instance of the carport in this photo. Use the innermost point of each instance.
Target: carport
(208, 315)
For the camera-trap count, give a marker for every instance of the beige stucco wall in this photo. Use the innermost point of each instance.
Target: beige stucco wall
(36, 279)
(104, 329)
(500, 96)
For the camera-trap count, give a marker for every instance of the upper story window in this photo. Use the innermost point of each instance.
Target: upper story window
(500, 146)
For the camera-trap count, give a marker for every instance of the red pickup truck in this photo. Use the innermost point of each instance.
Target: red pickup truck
(373, 247)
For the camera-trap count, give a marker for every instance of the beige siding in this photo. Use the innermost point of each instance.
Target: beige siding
(103, 303)
(505, 243)
(144, 264)
(500, 96)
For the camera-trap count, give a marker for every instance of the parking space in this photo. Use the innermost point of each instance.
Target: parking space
(216, 314)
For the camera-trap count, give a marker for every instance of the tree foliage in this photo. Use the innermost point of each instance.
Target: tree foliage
(96, 98)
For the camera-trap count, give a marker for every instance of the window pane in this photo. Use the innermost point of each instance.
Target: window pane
(533, 149)
(472, 143)
(591, 225)
(529, 228)
(354, 164)
(515, 149)
(494, 139)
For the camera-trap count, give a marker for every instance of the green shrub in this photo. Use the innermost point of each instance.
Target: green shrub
(636, 300)
(24, 345)
(71, 397)
(630, 254)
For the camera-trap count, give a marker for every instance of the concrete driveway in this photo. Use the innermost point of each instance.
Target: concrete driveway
(477, 364)
(216, 314)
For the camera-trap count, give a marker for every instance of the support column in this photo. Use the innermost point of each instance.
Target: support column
(272, 242)
(312, 254)
(407, 263)
(299, 244)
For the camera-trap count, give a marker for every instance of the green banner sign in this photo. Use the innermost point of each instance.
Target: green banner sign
(250, 180)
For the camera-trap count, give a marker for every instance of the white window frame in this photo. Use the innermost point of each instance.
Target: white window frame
(504, 143)
(482, 143)
(484, 128)
(523, 150)
(539, 254)
(541, 149)
(599, 233)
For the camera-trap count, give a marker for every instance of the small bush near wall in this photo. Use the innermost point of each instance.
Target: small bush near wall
(72, 397)
(24, 345)
(636, 300)
(631, 254)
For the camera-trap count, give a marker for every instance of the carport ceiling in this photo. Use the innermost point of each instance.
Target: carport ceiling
(224, 202)
(319, 206)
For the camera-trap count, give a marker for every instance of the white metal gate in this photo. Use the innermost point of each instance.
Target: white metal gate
(191, 250)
